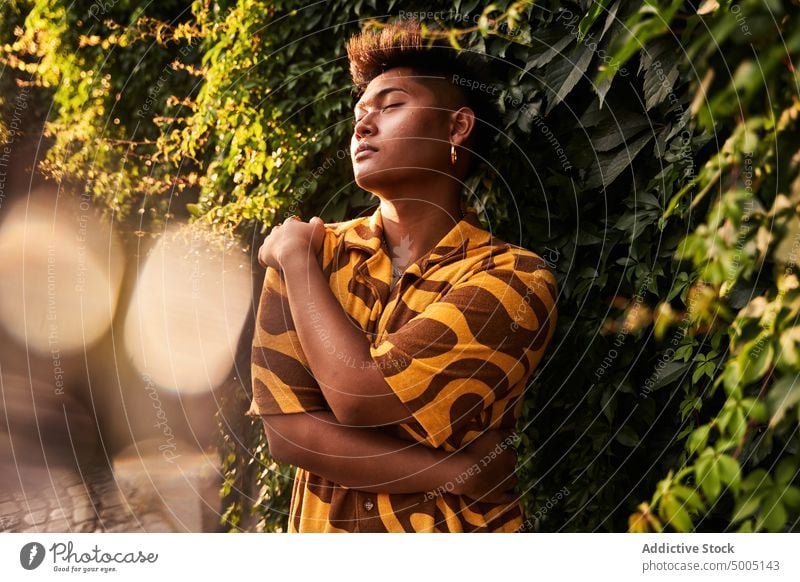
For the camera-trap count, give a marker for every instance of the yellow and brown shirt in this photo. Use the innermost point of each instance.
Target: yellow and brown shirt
(456, 338)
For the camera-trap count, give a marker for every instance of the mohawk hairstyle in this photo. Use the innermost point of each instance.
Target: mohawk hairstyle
(401, 44)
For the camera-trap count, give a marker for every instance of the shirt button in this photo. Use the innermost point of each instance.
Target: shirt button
(368, 505)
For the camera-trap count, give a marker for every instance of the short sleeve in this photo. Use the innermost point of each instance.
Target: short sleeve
(282, 380)
(474, 346)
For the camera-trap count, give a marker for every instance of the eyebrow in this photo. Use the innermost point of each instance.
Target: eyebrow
(379, 94)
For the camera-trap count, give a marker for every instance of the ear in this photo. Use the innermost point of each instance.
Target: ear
(462, 123)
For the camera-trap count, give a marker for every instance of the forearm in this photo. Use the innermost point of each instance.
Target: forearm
(337, 351)
(360, 458)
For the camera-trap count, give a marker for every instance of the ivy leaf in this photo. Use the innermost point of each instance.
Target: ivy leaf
(689, 496)
(756, 479)
(782, 396)
(731, 377)
(675, 514)
(698, 439)
(680, 283)
(737, 424)
(755, 359)
(791, 497)
(773, 514)
(730, 472)
(592, 116)
(699, 372)
(786, 471)
(784, 252)
(626, 221)
(565, 74)
(690, 404)
(684, 352)
(617, 128)
(789, 356)
(660, 64)
(608, 403)
(745, 508)
(756, 409)
(671, 372)
(551, 42)
(628, 437)
(602, 89)
(707, 475)
(612, 164)
(586, 22)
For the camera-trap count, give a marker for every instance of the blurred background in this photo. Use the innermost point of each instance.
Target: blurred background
(112, 355)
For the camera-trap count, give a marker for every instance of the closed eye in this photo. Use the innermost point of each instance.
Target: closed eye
(384, 108)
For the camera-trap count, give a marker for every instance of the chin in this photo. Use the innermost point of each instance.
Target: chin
(372, 179)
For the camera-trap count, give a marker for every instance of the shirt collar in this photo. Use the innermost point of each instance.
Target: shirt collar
(367, 235)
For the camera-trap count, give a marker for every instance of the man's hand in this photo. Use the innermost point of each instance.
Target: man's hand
(292, 237)
(491, 460)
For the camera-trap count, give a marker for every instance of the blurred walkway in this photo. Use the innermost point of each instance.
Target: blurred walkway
(133, 497)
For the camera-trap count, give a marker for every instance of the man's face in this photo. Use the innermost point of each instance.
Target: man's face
(406, 125)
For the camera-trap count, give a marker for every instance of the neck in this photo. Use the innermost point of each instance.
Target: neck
(416, 225)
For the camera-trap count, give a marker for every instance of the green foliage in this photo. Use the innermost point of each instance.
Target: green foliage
(12, 15)
(105, 76)
(741, 454)
(643, 153)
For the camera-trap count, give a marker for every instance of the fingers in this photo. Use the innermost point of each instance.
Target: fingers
(261, 257)
(292, 217)
(317, 223)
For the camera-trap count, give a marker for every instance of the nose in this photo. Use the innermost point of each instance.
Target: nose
(363, 126)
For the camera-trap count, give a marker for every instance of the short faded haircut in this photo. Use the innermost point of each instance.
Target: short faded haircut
(401, 44)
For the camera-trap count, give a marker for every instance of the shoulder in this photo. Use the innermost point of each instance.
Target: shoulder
(347, 232)
(516, 265)
(525, 283)
(493, 252)
(337, 230)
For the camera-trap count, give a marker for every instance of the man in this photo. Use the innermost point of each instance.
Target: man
(386, 376)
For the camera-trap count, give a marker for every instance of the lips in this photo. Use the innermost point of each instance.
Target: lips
(362, 148)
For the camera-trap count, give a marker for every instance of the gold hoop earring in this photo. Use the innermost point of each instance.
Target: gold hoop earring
(453, 155)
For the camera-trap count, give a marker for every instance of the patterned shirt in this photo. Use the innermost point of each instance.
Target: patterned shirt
(457, 338)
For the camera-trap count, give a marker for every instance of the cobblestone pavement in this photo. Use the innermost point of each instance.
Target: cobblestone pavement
(140, 494)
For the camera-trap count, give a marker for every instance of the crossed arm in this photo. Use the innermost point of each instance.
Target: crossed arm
(352, 384)
(327, 443)
(370, 460)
